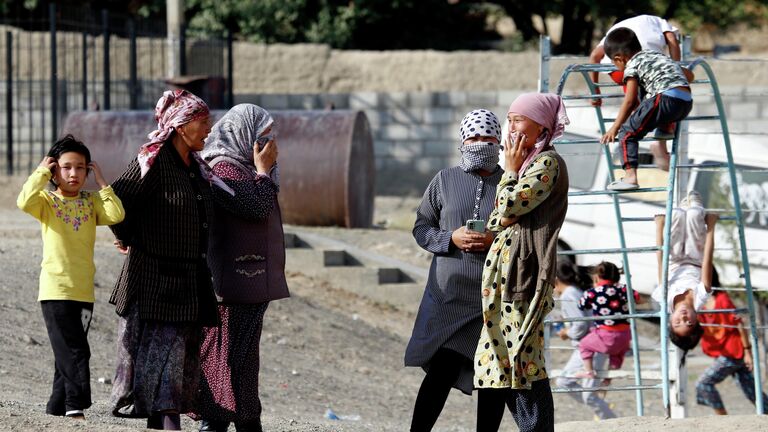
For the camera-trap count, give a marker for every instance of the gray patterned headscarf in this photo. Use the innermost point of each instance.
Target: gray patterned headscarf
(235, 134)
(481, 154)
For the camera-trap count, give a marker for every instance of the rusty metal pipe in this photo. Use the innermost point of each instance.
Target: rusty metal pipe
(327, 172)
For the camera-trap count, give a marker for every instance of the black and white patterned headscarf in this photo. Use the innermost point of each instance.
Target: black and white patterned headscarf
(480, 154)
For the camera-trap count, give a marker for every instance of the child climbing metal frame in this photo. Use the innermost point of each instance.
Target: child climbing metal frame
(675, 170)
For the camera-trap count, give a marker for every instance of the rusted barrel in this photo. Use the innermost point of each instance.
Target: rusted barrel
(326, 159)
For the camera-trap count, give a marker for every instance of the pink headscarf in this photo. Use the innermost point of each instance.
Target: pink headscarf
(175, 108)
(545, 109)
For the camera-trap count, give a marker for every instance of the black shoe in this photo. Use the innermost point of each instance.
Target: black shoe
(251, 426)
(155, 421)
(213, 426)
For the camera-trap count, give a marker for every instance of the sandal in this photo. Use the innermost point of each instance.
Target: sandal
(621, 185)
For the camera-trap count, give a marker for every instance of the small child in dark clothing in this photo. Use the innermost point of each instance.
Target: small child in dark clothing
(610, 336)
(667, 97)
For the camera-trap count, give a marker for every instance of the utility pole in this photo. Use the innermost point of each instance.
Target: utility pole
(174, 12)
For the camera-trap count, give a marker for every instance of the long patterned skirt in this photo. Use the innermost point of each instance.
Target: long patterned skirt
(229, 355)
(158, 367)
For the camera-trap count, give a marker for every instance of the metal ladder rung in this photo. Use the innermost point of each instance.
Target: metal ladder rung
(717, 165)
(651, 219)
(638, 219)
(723, 311)
(610, 388)
(612, 192)
(689, 118)
(641, 249)
(593, 141)
(613, 373)
(700, 118)
(592, 67)
(701, 81)
(704, 165)
(603, 318)
(596, 96)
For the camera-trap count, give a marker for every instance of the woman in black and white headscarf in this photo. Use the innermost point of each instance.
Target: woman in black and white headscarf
(247, 262)
(448, 323)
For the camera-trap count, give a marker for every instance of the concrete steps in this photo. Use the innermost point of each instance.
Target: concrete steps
(377, 277)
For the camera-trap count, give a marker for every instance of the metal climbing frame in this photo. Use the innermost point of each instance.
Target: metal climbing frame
(675, 170)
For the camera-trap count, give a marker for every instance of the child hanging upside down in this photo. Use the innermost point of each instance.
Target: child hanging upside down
(691, 248)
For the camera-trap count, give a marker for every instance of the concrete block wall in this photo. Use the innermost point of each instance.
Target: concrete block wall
(414, 134)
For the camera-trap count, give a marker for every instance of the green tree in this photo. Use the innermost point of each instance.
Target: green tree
(360, 24)
(721, 14)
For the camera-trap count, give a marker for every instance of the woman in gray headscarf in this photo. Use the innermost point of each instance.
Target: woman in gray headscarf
(247, 261)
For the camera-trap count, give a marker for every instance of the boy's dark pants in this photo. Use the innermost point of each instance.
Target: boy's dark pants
(67, 323)
(650, 114)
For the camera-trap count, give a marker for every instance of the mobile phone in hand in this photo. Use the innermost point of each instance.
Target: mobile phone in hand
(477, 225)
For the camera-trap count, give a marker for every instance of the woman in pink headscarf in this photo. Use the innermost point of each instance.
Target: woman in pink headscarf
(163, 294)
(519, 271)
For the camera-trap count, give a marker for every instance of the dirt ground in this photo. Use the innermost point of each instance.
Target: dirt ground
(322, 349)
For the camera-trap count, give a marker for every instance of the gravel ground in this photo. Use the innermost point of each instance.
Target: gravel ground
(322, 349)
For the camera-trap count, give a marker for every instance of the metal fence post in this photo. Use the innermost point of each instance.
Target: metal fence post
(545, 50)
(9, 101)
(84, 83)
(230, 71)
(54, 76)
(183, 49)
(133, 102)
(105, 29)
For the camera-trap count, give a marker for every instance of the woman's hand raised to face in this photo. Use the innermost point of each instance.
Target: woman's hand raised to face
(515, 151)
(265, 158)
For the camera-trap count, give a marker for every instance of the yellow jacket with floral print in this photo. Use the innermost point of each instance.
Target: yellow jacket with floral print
(69, 234)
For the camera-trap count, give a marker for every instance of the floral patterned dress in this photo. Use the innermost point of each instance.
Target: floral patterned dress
(510, 351)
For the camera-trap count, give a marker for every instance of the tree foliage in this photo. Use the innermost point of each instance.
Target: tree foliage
(415, 24)
(360, 24)
(720, 14)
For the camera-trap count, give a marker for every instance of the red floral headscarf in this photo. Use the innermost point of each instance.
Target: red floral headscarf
(175, 108)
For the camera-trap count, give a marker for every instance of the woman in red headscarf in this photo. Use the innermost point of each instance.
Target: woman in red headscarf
(163, 294)
(519, 271)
